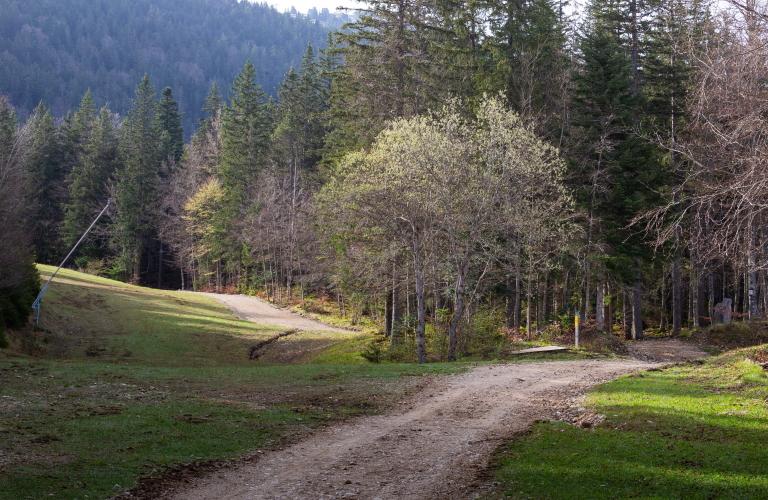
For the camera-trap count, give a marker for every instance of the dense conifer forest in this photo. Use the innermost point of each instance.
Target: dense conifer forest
(55, 51)
(456, 171)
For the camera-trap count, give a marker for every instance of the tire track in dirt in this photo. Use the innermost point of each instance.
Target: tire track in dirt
(434, 447)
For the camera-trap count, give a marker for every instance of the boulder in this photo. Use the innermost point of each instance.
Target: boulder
(724, 311)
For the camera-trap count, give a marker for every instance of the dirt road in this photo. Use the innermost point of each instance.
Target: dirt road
(433, 448)
(258, 311)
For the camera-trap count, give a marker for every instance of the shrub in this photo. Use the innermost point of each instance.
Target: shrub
(373, 352)
(16, 300)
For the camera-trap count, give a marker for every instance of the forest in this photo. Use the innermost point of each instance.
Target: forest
(454, 171)
(55, 51)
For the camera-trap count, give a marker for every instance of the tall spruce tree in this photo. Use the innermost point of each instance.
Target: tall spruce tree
(133, 231)
(89, 183)
(246, 130)
(172, 142)
(47, 167)
(528, 61)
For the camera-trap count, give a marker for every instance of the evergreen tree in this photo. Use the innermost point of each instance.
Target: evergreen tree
(246, 129)
(616, 167)
(214, 103)
(19, 279)
(528, 61)
(88, 190)
(172, 142)
(46, 167)
(136, 182)
(391, 70)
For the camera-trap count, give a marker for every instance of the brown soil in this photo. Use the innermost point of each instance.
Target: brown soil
(665, 351)
(434, 447)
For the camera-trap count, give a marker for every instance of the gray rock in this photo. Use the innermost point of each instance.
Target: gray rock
(723, 311)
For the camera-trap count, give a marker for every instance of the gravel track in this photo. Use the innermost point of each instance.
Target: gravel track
(258, 311)
(436, 445)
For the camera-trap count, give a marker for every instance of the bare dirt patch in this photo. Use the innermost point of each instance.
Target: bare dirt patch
(434, 446)
(665, 351)
(258, 311)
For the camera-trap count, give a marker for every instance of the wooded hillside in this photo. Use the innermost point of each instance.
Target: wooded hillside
(455, 172)
(55, 51)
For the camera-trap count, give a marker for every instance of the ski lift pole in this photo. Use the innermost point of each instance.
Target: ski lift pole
(36, 303)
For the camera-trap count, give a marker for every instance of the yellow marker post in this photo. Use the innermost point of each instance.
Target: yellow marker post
(577, 328)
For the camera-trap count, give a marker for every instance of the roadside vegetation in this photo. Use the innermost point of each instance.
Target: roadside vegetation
(122, 382)
(695, 430)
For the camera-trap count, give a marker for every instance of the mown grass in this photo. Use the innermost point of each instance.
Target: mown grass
(124, 382)
(691, 431)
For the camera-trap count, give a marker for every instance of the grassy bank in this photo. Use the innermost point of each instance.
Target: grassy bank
(695, 431)
(125, 382)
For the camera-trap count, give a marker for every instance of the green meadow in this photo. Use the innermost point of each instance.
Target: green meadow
(123, 382)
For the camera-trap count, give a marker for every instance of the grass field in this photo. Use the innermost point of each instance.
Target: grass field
(695, 431)
(124, 382)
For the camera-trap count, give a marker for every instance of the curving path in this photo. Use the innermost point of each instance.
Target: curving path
(433, 448)
(258, 311)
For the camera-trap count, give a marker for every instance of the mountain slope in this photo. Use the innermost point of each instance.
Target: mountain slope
(55, 51)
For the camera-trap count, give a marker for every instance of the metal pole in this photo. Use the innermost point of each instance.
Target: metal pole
(577, 328)
(36, 303)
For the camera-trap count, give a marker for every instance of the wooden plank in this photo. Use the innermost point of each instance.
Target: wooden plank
(548, 348)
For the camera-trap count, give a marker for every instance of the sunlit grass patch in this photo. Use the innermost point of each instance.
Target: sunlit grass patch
(133, 380)
(697, 430)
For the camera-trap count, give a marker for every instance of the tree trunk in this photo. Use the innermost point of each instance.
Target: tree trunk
(421, 323)
(695, 293)
(637, 313)
(627, 315)
(752, 275)
(457, 310)
(599, 299)
(509, 305)
(397, 304)
(545, 298)
(711, 284)
(528, 299)
(609, 308)
(677, 299)
(518, 292)
(388, 315)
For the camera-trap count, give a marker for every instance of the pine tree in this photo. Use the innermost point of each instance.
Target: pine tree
(172, 142)
(46, 167)
(89, 182)
(246, 129)
(136, 182)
